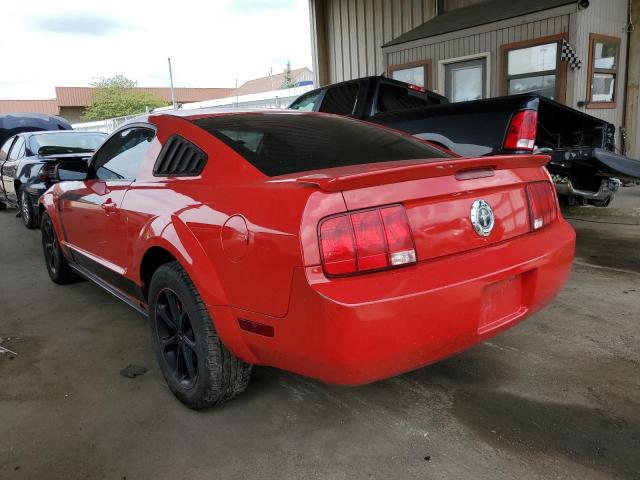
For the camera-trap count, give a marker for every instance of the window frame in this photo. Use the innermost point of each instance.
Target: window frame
(22, 149)
(91, 170)
(11, 140)
(361, 89)
(428, 67)
(560, 70)
(442, 71)
(593, 38)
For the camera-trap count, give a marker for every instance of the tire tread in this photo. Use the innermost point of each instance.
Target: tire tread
(227, 375)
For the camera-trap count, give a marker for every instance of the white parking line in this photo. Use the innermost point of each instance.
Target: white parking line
(6, 350)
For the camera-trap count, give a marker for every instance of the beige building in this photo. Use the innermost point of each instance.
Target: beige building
(573, 51)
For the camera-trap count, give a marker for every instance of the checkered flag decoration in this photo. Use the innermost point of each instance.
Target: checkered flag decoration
(569, 55)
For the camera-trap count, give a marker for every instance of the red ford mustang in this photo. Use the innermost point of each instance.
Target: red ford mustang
(321, 245)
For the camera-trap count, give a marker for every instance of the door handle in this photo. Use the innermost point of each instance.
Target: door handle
(109, 207)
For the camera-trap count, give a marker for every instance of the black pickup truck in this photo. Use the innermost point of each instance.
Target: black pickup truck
(583, 165)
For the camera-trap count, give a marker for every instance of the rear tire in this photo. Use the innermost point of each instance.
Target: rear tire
(3, 206)
(27, 214)
(197, 367)
(57, 265)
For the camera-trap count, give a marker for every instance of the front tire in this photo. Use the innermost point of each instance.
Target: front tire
(26, 210)
(197, 367)
(57, 265)
(3, 206)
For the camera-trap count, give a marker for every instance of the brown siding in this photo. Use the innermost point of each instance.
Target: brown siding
(470, 43)
(632, 120)
(606, 17)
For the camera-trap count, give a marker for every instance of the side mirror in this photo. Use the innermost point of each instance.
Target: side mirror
(71, 170)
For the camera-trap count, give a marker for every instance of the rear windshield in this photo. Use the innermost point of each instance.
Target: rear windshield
(392, 98)
(282, 143)
(65, 142)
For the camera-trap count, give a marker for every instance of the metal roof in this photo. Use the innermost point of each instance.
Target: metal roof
(474, 15)
(17, 106)
(82, 96)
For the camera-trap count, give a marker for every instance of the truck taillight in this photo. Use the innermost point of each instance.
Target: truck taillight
(416, 88)
(368, 240)
(521, 134)
(543, 207)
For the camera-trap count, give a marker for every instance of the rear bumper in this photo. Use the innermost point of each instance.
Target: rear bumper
(364, 328)
(608, 187)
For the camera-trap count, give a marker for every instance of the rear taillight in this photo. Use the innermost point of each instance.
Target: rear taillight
(374, 239)
(543, 208)
(521, 134)
(47, 172)
(416, 88)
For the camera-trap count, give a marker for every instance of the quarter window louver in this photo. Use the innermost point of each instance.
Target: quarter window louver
(179, 157)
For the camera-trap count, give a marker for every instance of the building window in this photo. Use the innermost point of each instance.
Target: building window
(465, 78)
(416, 73)
(534, 67)
(604, 54)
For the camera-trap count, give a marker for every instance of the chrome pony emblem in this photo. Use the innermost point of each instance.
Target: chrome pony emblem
(482, 218)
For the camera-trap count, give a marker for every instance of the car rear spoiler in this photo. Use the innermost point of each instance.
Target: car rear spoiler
(464, 168)
(61, 157)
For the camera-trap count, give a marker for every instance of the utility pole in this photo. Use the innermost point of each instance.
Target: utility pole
(173, 93)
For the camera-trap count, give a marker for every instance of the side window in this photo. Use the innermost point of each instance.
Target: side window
(341, 99)
(245, 139)
(18, 149)
(4, 151)
(392, 98)
(306, 103)
(121, 155)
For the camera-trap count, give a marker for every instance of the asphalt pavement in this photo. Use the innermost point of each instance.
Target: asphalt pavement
(558, 396)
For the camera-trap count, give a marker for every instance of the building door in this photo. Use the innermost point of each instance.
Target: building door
(466, 80)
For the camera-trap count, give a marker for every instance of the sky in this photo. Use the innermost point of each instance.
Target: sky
(211, 43)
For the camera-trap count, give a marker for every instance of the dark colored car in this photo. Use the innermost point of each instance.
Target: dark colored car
(28, 161)
(584, 165)
(13, 123)
(321, 245)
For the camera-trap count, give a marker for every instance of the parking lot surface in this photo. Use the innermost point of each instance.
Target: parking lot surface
(558, 396)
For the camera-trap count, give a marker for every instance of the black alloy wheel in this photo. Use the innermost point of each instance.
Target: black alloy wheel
(200, 371)
(26, 210)
(176, 338)
(57, 265)
(51, 248)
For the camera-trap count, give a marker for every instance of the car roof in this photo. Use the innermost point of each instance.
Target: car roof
(47, 132)
(197, 113)
(36, 133)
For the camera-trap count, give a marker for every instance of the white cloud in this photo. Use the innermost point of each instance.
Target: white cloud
(211, 43)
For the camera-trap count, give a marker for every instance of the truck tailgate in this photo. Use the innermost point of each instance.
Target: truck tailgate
(609, 163)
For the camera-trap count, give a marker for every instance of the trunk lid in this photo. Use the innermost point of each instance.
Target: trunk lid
(438, 197)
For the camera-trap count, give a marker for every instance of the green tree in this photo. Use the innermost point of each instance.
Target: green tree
(117, 96)
(288, 82)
